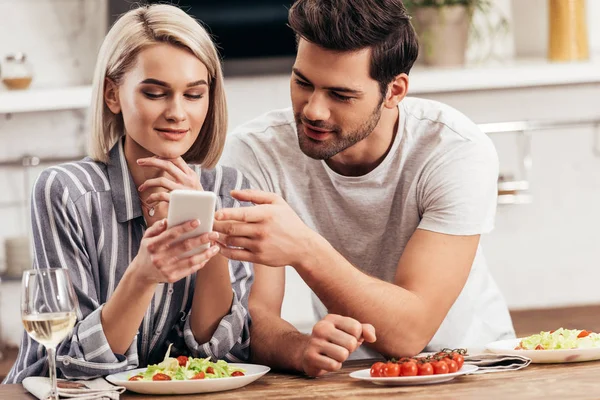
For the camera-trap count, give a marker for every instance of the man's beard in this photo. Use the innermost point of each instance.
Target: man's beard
(340, 141)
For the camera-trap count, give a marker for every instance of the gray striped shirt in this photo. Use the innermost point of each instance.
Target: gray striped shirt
(87, 218)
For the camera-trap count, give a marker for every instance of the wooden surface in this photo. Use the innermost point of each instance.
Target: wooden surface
(574, 379)
(528, 322)
(549, 381)
(10, 355)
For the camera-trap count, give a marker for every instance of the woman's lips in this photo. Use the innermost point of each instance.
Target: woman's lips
(315, 133)
(172, 134)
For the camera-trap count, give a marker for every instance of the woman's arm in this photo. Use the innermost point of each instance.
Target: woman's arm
(213, 296)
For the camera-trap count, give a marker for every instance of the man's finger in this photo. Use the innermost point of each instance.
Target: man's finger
(254, 196)
(234, 228)
(238, 254)
(368, 333)
(346, 324)
(242, 214)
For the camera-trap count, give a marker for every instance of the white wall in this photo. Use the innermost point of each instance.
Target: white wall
(557, 233)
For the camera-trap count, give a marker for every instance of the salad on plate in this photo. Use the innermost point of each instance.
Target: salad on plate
(185, 368)
(560, 339)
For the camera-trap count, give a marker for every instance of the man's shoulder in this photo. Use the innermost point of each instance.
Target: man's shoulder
(450, 126)
(273, 125)
(448, 120)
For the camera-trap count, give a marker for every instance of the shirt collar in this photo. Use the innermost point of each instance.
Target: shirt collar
(123, 190)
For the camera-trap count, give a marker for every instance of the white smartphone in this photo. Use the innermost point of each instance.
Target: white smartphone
(187, 205)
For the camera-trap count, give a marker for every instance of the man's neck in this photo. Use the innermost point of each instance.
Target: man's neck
(366, 155)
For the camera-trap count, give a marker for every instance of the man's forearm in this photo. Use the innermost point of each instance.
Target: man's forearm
(396, 313)
(276, 342)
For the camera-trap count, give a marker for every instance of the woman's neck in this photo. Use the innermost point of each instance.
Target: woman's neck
(133, 152)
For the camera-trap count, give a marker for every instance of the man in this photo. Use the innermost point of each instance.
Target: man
(377, 200)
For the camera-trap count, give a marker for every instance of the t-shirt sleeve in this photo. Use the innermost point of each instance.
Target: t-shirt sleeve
(241, 155)
(458, 193)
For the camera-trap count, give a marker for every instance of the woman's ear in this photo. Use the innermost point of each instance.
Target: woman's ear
(397, 90)
(111, 96)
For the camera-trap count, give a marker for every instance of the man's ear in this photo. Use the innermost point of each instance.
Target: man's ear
(397, 90)
(111, 96)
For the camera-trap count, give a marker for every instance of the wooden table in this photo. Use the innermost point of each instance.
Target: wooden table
(538, 381)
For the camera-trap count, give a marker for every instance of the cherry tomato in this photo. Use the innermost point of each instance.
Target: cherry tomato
(182, 360)
(390, 369)
(376, 369)
(409, 368)
(452, 365)
(425, 369)
(459, 359)
(161, 377)
(440, 367)
(136, 378)
(199, 375)
(237, 373)
(583, 333)
(210, 370)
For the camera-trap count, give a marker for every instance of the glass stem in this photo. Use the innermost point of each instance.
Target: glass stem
(53, 395)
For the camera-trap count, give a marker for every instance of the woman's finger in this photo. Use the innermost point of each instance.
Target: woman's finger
(182, 165)
(186, 245)
(165, 238)
(166, 165)
(180, 274)
(158, 197)
(177, 263)
(158, 182)
(156, 229)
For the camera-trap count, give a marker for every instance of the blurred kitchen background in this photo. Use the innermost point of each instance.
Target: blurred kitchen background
(529, 74)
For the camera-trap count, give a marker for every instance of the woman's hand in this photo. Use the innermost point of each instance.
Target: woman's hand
(176, 175)
(159, 258)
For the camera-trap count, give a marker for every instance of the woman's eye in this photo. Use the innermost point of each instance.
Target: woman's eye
(153, 95)
(194, 96)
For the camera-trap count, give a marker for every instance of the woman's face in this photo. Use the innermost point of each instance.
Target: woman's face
(164, 100)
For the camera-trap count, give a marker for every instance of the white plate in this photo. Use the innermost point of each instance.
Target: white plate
(365, 375)
(252, 371)
(544, 356)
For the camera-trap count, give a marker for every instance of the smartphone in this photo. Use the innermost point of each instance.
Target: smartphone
(187, 205)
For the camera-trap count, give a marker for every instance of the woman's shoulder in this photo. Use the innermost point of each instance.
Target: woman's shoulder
(77, 177)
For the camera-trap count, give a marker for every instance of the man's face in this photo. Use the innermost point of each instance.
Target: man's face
(336, 103)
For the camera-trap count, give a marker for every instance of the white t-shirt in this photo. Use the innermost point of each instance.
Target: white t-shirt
(440, 175)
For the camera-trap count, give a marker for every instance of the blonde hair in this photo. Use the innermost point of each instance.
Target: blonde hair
(133, 32)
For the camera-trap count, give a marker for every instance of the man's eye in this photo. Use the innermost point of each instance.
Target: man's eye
(341, 97)
(302, 83)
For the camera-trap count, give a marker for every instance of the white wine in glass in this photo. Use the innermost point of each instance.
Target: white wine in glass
(48, 311)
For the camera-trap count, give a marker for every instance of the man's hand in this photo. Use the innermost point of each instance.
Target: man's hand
(332, 341)
(270, 233)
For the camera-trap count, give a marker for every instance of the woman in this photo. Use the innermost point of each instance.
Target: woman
(158, 104)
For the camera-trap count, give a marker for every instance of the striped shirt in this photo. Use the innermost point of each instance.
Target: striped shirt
(87, 217)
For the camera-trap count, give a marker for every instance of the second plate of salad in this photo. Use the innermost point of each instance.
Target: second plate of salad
(558, 346)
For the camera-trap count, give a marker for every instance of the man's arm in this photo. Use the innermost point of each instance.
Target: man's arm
(406, 313)
(277, 343)
(273, 337)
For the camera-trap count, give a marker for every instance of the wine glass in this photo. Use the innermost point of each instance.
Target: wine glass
(48, 311)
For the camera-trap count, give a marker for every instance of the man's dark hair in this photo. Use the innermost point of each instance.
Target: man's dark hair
(350, 25)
